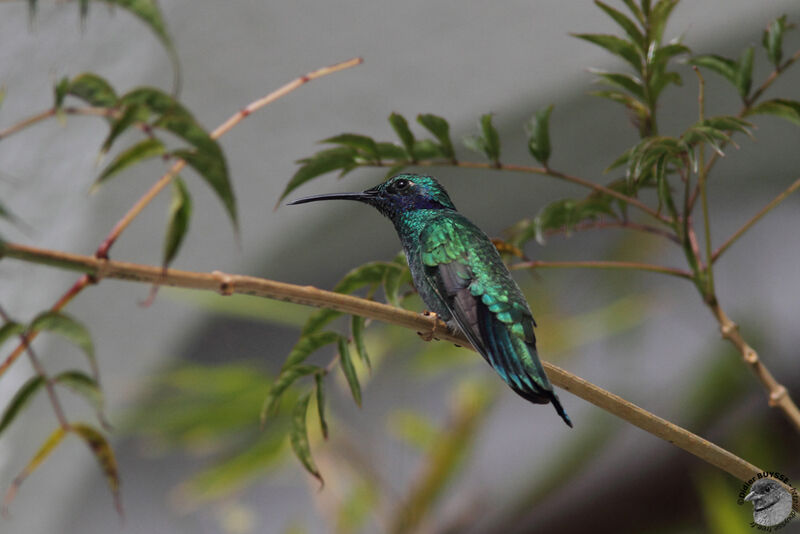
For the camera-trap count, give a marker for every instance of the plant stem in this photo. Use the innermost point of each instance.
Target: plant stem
(602, 265)
(755, 218)
(311, 296)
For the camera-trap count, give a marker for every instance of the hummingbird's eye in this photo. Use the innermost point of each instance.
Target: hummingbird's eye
(767, 489)
(401, 185)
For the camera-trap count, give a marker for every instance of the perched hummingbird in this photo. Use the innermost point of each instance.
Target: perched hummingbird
(460, 276)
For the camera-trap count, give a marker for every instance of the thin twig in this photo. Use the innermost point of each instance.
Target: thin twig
(625, 265)
(755, 218)
(701, 184)
(311, 296)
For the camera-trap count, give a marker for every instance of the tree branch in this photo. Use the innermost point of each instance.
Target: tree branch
(311, 296)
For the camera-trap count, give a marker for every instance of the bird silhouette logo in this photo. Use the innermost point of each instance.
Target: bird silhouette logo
(772, 502)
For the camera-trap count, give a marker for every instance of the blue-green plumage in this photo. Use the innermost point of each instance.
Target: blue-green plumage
(461, 277)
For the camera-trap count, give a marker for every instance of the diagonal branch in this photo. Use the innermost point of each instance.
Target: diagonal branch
(311, 296)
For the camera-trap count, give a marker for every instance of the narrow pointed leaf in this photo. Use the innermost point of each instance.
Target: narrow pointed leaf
(68, 327)
(620, 161)
(85, 386)
(212, 168)
(41, 455)
(625, 23)
(780, 107)
(440, 130)
(668, 51)
(308, 344)
(9, 330)
(346, 363)
(625, 81)
(60, 91)
(180, 211)
(400, 126)
(141, 151)
(659, 16)
(617, 46)
(362, 143)
(21, 399)
(773, 40)
(538, 129)
(427, 149)
(392, 152)
(319, 387)
(721, 65)
(93, 90)
(298, 437)
(357, 330)
(287, 377)
(744, 72)
(491, 139)
(130, 115)
(635, 10)
(318, 166)
(317, 320)
(104, 455)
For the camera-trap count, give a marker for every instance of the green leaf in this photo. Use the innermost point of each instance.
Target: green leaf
(180, 210)
(104, 455)
(298, 437)
(212, 168)
(394, 279)
(10, 329)
(362, 143)
(620, 161)
(319, 387)
(390, 151)
(723, 66)
(357, 330)
(538, 129)
(41, 455)
(440, 130)
(20, 400)
(487, 142)
(744, 72)
(130, 115)
(400, 126)
(83, 385)
(321, 163)
(780, 107)
(773, 40)
(625, 81)
(308, 344)
(566, 214)
(635, 10)
(625, 23)
(427, 149)
(660, 80)
(664, 53)
(617, 46)
(658, 18)
(143, 150)
(349, 370)
(60, 91)
(371, 273)
(287, 377)
(93, 89)
(64, 325)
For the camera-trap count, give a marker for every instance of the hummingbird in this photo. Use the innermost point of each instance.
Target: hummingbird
(460, 276)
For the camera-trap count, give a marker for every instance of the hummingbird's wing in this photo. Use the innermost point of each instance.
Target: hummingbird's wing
(464, 269)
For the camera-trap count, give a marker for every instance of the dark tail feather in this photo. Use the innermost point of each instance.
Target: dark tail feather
(560, 409)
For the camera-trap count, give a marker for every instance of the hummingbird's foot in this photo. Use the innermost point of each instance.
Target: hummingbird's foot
(429, 336)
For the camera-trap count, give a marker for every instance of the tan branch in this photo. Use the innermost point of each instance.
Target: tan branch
(310, 296)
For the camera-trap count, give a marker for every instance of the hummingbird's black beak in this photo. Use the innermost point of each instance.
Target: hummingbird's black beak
(367, 196)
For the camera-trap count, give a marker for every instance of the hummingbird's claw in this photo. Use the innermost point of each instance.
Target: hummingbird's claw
(429, 336)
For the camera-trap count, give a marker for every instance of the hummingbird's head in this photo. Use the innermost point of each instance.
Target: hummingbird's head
(397, 195)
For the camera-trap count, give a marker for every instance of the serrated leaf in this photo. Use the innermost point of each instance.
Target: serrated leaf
(143, 150)
(357, 330)
(362, 143)
(349, 370)
(317, 166)
(93, 90)
(41, 455)
(744, 72)
(287, 377)
(60, 91)
(780, 107)
(659, 15)
(617, 46)
(180, 211)
(440, 130)
(625, 23)
(319, 388)
(68, 327)
(83, 385)
(298, 437)
(308, 344)
(538, 129)
(773, 40)
(21, 399)
(400, 127)
(104, 455)
(625, 81)
(723, 66)
(211, 166)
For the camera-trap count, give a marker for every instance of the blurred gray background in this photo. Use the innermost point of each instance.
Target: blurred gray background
(455, 59)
